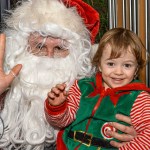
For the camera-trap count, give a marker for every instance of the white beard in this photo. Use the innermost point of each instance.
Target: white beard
(23, 113)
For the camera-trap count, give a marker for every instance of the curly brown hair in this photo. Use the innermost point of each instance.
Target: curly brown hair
(120, 40)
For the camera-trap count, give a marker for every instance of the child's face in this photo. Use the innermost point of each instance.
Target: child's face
(47, 46)
(119, 71)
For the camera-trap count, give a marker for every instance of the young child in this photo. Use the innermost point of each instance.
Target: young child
(91, 104)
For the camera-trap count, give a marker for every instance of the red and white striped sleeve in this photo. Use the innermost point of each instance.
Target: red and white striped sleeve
(61, 116)
(140, 117)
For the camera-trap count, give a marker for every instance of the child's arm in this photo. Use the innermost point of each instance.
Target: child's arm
(140, 117)
(62, 115)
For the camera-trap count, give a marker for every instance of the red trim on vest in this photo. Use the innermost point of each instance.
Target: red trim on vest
(115, 93)
(60, 144)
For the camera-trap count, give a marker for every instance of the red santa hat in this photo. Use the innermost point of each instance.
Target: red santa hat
(89, 15)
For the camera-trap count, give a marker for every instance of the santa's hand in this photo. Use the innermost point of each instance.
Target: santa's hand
(6, 79)
(57, 95)
(129, 132)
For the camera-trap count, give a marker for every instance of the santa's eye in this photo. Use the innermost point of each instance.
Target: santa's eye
(40, 46)
(60, 51)
(58, 48)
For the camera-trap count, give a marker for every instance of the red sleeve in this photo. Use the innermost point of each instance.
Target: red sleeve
(140, 117)
(54, 110)
(63, 115)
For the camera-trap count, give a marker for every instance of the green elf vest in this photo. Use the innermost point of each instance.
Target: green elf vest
(97, 108)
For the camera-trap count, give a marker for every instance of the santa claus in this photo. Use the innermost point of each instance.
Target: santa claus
(53, 43)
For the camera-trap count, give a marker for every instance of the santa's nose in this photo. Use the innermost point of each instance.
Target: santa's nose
(50, 52)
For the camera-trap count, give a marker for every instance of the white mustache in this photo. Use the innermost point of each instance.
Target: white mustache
(44, 73)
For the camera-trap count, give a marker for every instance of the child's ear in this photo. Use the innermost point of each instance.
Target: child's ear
(135, 74)
(99, 68)
(137, 69)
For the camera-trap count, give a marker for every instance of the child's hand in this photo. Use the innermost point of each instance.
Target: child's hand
(57, 95)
